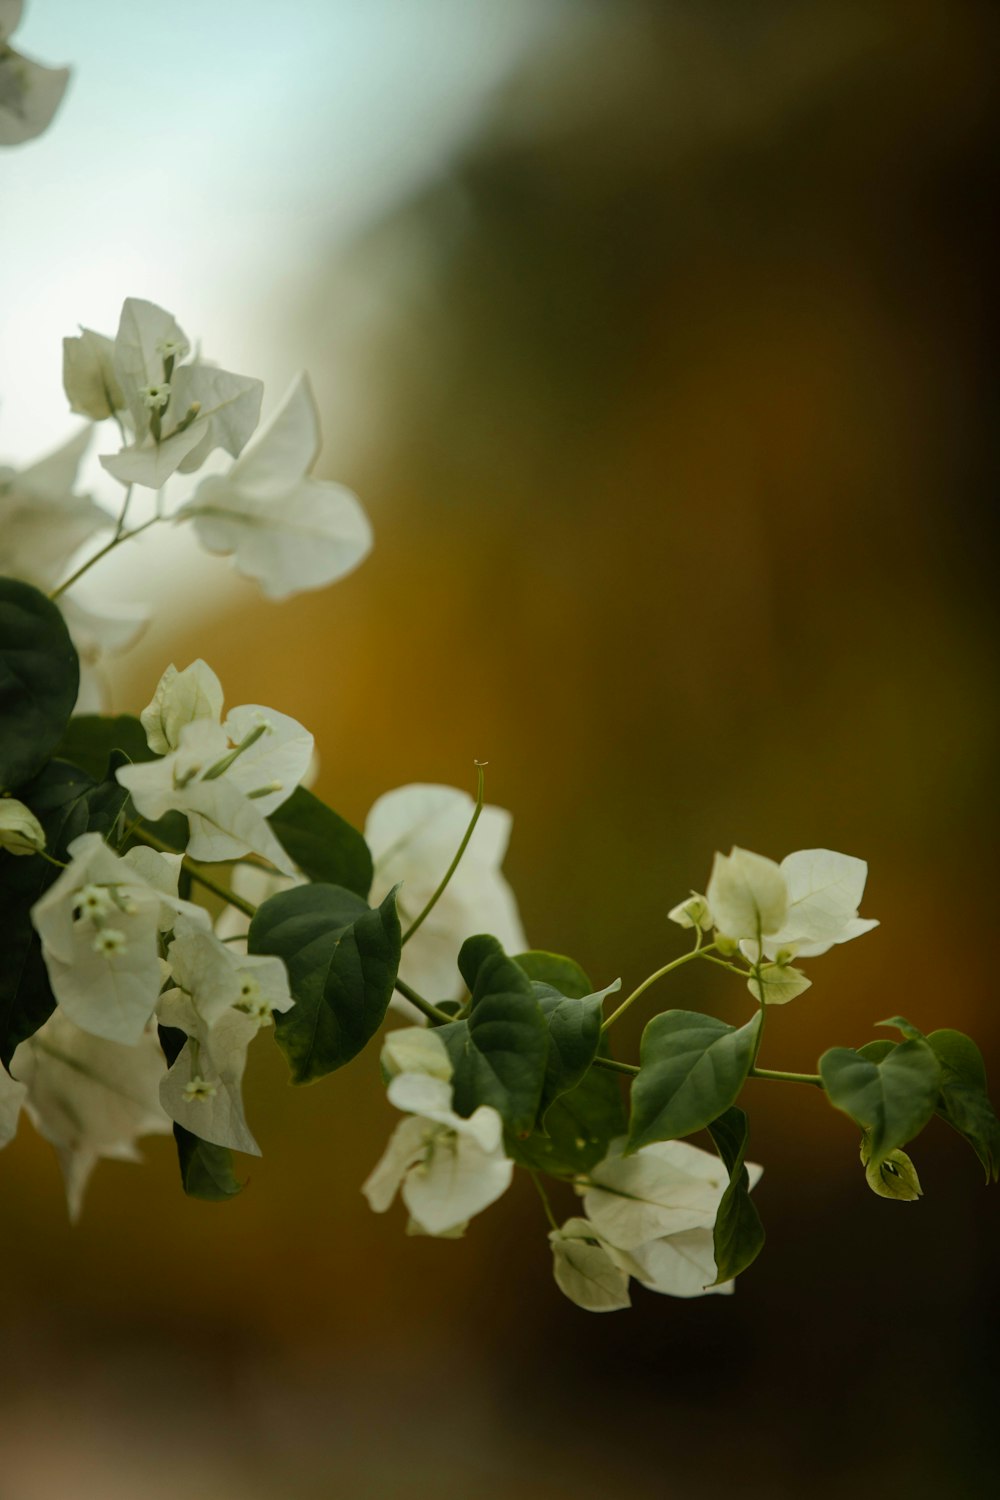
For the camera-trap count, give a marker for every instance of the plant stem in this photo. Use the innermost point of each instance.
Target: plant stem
(685, 958)
(545, 1199)
(439, 892)
(780, 1077)
(120, 528)
(616, 1067)
(441, 1017)
(772, 1074)
(115, 541)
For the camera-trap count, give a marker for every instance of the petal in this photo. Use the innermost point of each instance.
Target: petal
(824, 892)
(30, 94)
(587, 1275)
(406, 1147)
(747, 894)
(179, 699)
(679, 1265)
(143, 328)
(307, 537)
(229, 408)
(284, 449)
(654, 1192)
(282, 754)
(456, 1181)
(90, 1098)
(220, 1058)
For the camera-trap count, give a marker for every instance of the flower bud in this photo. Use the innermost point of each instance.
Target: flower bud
(895, 1177)
(20, 830)
(693, 912)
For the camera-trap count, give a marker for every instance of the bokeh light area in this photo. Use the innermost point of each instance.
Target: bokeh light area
(653, 339)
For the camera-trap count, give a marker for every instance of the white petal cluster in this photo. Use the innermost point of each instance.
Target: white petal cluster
(177, 413)
(90, 1097)
(445, 1168)
(99, 925)
(649, 1216)
(30, 94)
(413, 834)
(224, 777)
(775, 913)
(220, 1000)
(284, 528)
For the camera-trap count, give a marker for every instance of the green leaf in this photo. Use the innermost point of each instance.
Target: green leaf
(739, 1234)
(39, 681)
(579, 1127)
(893, 1099)
(324, 846)
(964, 1101)
(500, 1053)
(67, 803)
(342, 956)
(878, 1050)
(908, 1029)
(563, 974)
(691, 1069)
(574, 1028)
(90, 739)
(206, 1170)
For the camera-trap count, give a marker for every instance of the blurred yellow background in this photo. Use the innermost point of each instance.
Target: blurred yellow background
(666, 394)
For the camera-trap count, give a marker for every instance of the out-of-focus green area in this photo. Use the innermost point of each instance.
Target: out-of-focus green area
(679, 468)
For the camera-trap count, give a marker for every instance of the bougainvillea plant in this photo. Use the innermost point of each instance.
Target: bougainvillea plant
(171, 889)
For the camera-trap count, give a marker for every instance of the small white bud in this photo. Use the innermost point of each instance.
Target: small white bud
(109, 941)
(199, 1089)
(693, 912)
(20, 830)
(155, 397)
(93, 901)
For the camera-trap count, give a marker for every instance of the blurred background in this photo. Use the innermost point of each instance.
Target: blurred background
(653, 337)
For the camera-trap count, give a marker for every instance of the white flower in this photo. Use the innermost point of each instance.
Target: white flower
(105, 986)
(203, 1089)
(30, 94)
(90, 1097)
(42, 521)
(654, 1214)
(221, 1001)
(587, 1270)
(225, 778)
(413, 834)
(746, 894)
(216, 979)
(20, 830)
(446, 1168)
(286, 529)
(178, 412)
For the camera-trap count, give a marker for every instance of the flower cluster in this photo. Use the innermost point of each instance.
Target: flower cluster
(650, 1216)
(773, 913)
